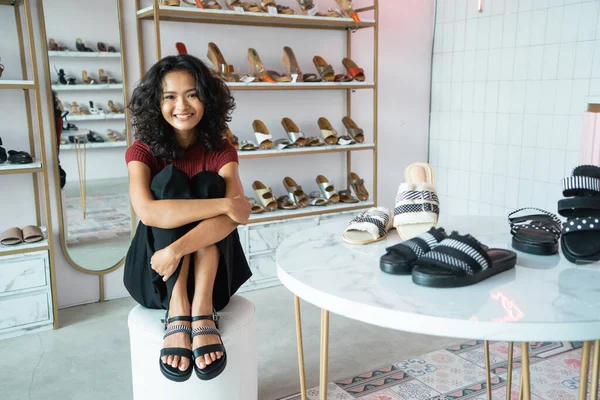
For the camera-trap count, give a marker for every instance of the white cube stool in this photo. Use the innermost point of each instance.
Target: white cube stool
(239, 380)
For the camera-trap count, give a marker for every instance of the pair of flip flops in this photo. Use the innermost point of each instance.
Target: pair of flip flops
(580, 240)
(211, 371)
(435, 259)
(28, 234)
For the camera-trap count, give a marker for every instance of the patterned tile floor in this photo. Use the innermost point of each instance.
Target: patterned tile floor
(459, 373)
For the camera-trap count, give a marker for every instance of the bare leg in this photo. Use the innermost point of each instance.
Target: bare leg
(205, 264)
(179, 305)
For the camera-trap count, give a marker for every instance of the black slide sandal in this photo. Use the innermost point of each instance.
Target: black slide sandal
(579, 207)
(175, 374)
(535, 233)
(216, 367)
(580, 241)
(400, 258)
(461, 261)
(584, 182)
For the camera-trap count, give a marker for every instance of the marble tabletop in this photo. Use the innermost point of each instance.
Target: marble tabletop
(544, 298)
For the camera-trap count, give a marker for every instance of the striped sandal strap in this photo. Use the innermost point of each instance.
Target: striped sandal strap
(464, 253)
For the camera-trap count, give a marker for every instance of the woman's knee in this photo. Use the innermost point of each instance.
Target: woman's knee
(208, 185)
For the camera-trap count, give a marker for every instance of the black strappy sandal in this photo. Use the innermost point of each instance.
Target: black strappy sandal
(215, 368)
(535, 233)
(175, 374)
(461, 261)
(400, 258)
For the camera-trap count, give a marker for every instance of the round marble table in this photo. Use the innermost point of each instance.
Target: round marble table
(544, 298)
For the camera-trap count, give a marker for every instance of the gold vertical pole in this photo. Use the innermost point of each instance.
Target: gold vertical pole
(300, 347)
(324, 352)
(140, 41)
(26, 94)
(157, 29)
(525, 371)
(521, 383)
(595, 371)
(348, 108)
(375, 96)
(101, 287)
(488, 367)
(583, 374)
(509, 370)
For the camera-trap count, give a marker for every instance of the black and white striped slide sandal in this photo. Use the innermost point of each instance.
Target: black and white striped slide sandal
(584, 181)
(535, 233)
(172, 373)
(368, 226)
(461, 261)
(400, 258)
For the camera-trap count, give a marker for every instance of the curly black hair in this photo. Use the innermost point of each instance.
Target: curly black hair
(150, 126)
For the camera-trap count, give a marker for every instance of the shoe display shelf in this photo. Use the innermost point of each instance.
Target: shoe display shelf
(28, 301)
(261, 236)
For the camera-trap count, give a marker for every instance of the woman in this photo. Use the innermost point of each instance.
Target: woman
(184, 185)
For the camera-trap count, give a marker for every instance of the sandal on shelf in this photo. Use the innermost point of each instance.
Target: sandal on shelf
(248, 145)
(327, 189)
(345, 7)
(232, 138)
(215, 368)
(222, 69)
(291, 64)
(19, 157)
(295, 192)
(113, 108)
(265, 196)
(325, 70)
(400, 258)
(256, 208)
(3, 155)
(461, 261)
(114, 136)
(358, 185)
(293, 132)
(101, 47)
(263, 137)
(355, 72)
(75, 108)
(329, 134)
(205, 4)
(265, 4)
(258, 69)
(80, 46)
(316, 199)
(32, 234)
(11, 237)
(251, 7)
(346, 196)
(353, 130)
(94, 137)
(284, 203)
(86, 78)
(307, 7)
(313, 141)
(232, 4)
(170, 372)
(281, 144)
(171, 3)
(181, 48)
(285, 10)
(417, 206)
(368, 226)
(535, 233)
(342, 78)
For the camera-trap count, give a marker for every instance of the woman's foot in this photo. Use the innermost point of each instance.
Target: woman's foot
(204, 340)
(178, 340)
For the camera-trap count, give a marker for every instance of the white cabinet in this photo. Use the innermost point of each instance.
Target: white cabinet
(260, 242)
(25, 294)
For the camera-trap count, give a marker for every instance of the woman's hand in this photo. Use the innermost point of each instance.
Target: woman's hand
(239, 210)
(165, 262)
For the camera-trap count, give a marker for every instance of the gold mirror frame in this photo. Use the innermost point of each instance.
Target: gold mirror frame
(48, 81)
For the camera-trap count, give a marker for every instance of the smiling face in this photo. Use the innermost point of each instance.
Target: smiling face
(180, 104)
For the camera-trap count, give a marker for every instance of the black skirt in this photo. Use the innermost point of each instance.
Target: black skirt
(143, 283)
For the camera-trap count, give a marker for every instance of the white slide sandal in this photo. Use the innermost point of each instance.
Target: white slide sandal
(368, 226)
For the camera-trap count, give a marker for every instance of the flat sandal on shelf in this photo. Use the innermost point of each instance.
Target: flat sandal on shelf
(265, 196)
(293, 132)
(263, 137)
(224, 70)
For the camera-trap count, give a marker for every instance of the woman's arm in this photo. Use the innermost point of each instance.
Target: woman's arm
(168, 214)
(213, 230)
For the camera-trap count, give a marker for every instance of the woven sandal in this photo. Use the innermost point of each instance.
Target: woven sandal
(535, 233)
(461, 261)
(368, 226)
(175, 374)
(215, 368)
(400, 259)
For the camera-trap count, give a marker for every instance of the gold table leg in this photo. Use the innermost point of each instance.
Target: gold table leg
(509, 370)
(300, 348)
(488, 367)
(324, 353)
(595, 371)
(525, 379)
(583, 374)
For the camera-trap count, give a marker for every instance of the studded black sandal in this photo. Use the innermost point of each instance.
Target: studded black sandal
(175, 374)
(215, 368)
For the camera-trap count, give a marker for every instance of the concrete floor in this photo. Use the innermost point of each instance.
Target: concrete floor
(88, 357)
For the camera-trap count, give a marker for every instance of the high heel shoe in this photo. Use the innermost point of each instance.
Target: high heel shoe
(224, 70)
(80, 46)
(87, 79)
